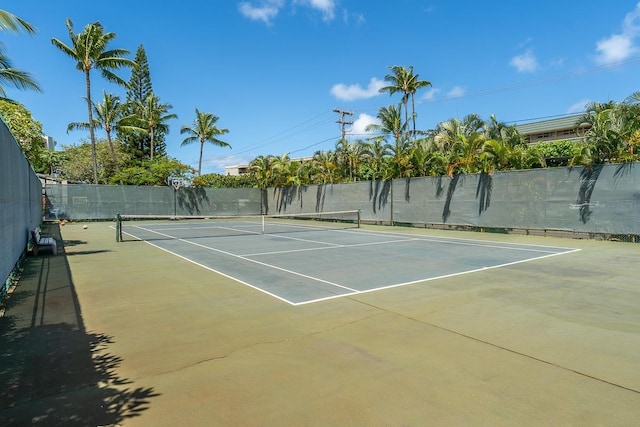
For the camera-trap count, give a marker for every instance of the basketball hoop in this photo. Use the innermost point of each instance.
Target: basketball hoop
(174, 182)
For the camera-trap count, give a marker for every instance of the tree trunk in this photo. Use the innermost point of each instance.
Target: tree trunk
(94, 155)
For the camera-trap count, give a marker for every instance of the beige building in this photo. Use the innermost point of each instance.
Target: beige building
(236, 170)
(556, 129)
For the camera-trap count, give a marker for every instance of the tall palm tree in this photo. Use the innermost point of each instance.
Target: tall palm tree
(400, 81)
(8, 74)
(109, 116)
(405, 81)
(204, 130)
(153, 117)
(89, 50)
(391, 124)
(414, 85)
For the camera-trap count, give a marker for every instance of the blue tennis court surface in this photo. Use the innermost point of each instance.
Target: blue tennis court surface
(311, 266)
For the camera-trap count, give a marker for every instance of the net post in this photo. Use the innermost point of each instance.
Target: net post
(262, 217)
(118, 228)
(358, 218)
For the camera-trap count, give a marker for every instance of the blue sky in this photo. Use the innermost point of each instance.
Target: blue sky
(274, 70)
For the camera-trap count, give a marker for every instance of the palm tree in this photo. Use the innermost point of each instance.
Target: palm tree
(405, 81)
(500, 131)
(152, 116)
(325, 167)
(461, 141)
(281, 168)
(8, 74)
(349, 156)
(204, 130)
(400, 160)
(400, 81)
(89, 50)
(414, 85)
(109, 116)
(376, 154)
(262, 168)
(391, 122)
(9, 21)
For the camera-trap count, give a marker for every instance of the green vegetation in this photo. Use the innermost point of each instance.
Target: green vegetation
(134, 151)
(215, 180)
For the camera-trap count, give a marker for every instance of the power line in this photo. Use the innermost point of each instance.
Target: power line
(314, 144)
(293, 131)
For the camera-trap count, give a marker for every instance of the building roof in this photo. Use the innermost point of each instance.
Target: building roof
(566, 122)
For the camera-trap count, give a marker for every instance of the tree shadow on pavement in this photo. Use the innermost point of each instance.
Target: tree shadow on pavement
(52, 371)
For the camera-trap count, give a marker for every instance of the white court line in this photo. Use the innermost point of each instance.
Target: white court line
(264, 264)
(428, 279)
(264, 291)
(406, 238)
(335, 246)
(411, 238)
(238, 230)
(471, 242)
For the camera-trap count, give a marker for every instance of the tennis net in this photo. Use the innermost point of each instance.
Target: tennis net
(163, 227)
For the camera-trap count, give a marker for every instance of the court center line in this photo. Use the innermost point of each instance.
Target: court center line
(335, 246)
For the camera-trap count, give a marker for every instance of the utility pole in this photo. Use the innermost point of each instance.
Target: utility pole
(343, 123)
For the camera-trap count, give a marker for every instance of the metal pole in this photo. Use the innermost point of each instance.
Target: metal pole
(118, 228)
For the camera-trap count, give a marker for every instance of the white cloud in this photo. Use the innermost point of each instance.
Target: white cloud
(326, 7)
(525, 63)
(456, 92)
(430, 95)
(265, 12)
(355, 91)
(619, 47)
(631, 23)
(616, 48)
(361, 123)
(578, 107)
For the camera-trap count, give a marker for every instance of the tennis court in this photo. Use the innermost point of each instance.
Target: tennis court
(502, 333)
(301, 261)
